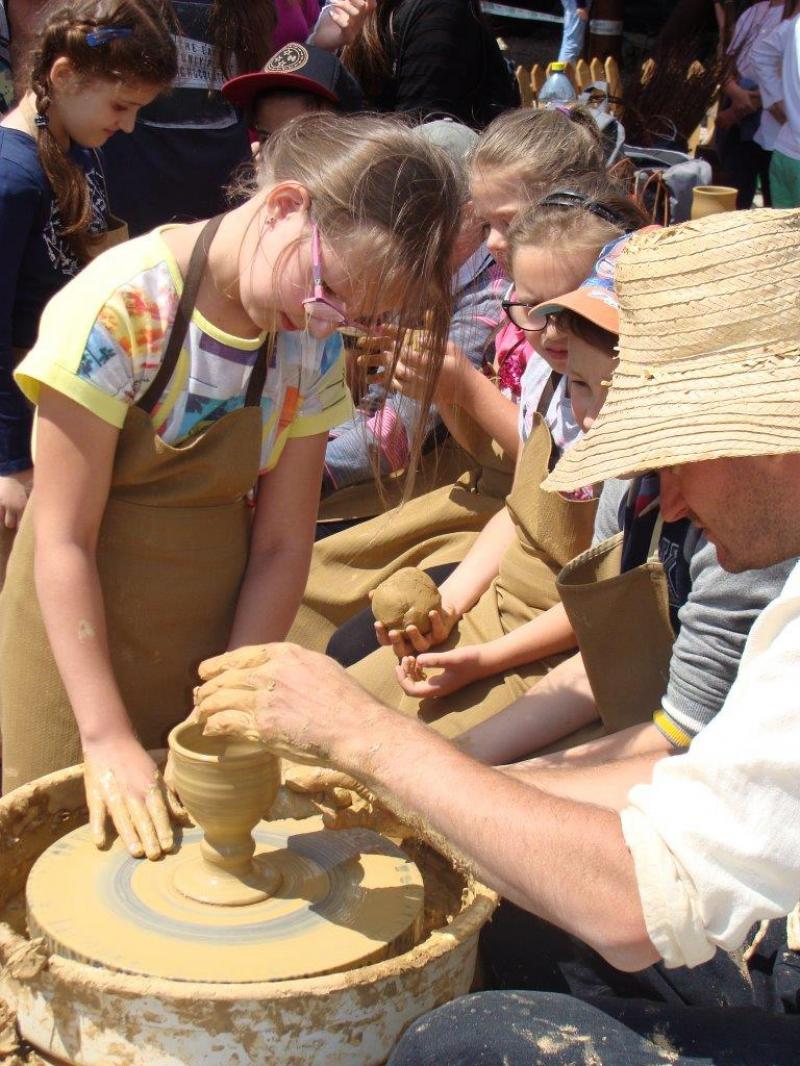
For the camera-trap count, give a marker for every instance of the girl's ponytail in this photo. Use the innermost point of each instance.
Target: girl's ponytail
(83, 31)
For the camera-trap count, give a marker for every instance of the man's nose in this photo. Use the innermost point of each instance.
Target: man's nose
(673, 505)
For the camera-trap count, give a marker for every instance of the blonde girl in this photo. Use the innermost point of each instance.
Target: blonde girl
(93, 65)
(171, 377)
(497, 631)
(517, 159)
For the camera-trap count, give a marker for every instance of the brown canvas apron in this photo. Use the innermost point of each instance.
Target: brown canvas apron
(550, 530)
(433, 528)
(623, 628)
(171, 554)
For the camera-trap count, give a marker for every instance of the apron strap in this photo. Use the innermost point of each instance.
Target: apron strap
(183, 316)
(545, 399)
(258, 375)
(548, 392)
(653, 552)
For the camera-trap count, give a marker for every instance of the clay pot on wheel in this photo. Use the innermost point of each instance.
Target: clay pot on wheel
(226, 785)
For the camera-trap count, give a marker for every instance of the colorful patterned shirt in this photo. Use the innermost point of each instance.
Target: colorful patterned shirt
(103, 336)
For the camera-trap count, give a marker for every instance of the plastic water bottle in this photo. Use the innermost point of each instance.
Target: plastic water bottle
(558, 89)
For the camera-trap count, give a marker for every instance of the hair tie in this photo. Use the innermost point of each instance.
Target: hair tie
(564, 110)
(570, 198)
(41, 120)
(107, 33)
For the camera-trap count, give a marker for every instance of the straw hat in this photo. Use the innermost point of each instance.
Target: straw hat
(709, 350)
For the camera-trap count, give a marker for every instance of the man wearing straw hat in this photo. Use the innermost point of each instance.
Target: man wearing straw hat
(705, 847)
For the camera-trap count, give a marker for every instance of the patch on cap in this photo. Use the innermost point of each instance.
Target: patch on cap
(289, 58)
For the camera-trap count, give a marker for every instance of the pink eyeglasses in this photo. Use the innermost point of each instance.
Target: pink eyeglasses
(320, 306)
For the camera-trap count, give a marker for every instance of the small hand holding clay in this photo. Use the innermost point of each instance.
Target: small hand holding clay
(458, 667)
(123, 782)
(302, 705)
(410, 615)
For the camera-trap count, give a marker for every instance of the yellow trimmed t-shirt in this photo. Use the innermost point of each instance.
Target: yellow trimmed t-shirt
(102, 338)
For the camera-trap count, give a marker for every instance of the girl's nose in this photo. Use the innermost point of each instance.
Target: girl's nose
(497, 244)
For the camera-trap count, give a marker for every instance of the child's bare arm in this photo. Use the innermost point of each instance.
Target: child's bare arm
(558, 705)
(549, 634)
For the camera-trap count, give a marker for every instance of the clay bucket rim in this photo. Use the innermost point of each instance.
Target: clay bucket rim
(714, 190)
(467, 923)
(242, 758)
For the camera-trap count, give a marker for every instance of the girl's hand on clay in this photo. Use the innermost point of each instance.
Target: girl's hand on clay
(14, 492)
(408, 641)
(459, 667)
(123, 782)
(174, 802)
(340, 23)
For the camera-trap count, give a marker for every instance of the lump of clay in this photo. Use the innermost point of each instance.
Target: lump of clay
(405, 598)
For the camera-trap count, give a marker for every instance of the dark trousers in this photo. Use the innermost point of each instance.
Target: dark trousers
(744, 163)
(557, 1001)
(355, 638)
(533, 1028)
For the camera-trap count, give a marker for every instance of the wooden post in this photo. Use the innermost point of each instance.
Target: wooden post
(525, 90)
(538, 78)
(583, 75)
(605, 29)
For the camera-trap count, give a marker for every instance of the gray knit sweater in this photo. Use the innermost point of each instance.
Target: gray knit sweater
(715, 621)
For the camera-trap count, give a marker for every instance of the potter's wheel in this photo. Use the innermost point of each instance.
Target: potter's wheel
(346, 898)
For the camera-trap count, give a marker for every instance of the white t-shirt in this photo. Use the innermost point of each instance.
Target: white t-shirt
(559, 416)
(776, 58)
(715, 837)
(756, 22)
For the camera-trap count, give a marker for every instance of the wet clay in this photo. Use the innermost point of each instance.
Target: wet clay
(344, 899)
(226, 905)
(101, 1016)
(405, 599)
(226, 785)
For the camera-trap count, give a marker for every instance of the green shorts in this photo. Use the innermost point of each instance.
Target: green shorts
(784, 180)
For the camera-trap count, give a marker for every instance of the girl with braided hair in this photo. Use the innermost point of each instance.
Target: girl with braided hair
(188, 146)
(93, 65)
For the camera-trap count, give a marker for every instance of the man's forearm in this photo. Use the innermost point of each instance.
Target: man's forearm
(529, 846)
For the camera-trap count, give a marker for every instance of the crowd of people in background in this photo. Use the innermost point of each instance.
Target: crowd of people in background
(293, 297)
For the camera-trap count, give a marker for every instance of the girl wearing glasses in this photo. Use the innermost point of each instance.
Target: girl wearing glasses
(495, 634)
(178, 379)
(518, 158)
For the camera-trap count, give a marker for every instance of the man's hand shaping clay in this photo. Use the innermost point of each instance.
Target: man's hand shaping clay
(301, 704)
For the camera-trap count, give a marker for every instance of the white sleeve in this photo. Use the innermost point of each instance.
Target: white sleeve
(716, 835)
(767, 58)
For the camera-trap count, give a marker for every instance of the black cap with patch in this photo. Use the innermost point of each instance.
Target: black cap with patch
(304, 68)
